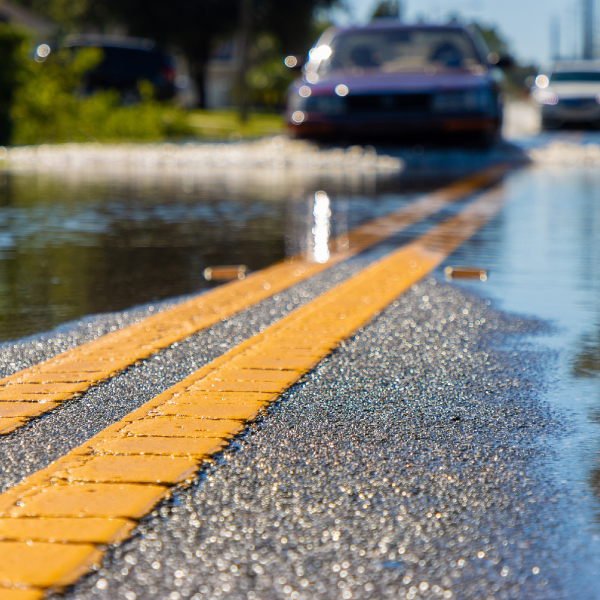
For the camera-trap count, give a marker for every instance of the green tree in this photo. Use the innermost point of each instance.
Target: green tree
(387, 9)
(493, 38)
(196, 26)
(515, 75)
(193, 26)
(69, 14)
(292, 22)
(46, 106)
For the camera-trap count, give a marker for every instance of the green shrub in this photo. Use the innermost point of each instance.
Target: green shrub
(14, 71)
(47, 106)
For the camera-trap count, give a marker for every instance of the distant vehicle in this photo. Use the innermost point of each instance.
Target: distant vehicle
(569, 94)
(390, 80)
(125, 62)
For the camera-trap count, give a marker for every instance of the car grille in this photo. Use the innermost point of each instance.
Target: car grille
(388, 102)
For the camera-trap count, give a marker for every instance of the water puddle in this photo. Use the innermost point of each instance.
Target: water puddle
(543, 258)
(106, 228)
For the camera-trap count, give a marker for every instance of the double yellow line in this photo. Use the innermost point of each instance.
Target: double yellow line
(39, 389)
(57, 522)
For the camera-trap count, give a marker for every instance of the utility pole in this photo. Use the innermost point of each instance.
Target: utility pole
(588, 29)
(244, 42)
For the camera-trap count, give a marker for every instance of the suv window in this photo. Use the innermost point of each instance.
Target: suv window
(575, 76)
(127, 63)
(122, 67)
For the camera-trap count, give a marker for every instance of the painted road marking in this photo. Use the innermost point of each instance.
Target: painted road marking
(39, 389)
(119, 475)
(14, 594)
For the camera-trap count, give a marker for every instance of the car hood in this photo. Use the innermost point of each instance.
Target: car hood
(575, 89)
(371, 83)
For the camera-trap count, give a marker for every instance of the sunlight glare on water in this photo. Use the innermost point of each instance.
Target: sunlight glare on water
(321, 230)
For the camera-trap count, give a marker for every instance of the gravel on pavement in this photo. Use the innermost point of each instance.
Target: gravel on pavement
(404, 466)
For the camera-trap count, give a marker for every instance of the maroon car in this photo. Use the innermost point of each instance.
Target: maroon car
(389, 80)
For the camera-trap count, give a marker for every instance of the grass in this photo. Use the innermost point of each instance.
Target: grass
(226, 125)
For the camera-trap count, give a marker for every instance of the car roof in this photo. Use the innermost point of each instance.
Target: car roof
(110, 41)
(387, 24)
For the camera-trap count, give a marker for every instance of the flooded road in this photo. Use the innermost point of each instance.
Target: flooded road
(528, 521)
(543, 257)
(79, 238)
(79, 242)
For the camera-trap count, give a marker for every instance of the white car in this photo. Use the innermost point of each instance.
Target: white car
(569, 94)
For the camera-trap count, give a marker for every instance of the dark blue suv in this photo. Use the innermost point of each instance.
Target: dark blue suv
(125, 62)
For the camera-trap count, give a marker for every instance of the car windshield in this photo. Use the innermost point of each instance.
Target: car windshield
(576, 76)
(401, 50)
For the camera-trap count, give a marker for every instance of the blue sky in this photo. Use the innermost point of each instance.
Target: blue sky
(525, 24)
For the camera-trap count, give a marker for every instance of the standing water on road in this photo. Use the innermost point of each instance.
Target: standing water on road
(96, 229)
(488, 417)
(543, 257)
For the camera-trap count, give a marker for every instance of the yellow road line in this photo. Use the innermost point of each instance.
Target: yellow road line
(14, 594)
(39, 389)
(60, 516)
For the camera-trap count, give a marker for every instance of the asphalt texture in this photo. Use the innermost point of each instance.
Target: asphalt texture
(49, 437)
(45, 439)
(404, 466)
(27, 352)
(444, 451)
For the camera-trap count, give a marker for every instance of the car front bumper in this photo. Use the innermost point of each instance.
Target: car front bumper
(320, 126)
(581, 111)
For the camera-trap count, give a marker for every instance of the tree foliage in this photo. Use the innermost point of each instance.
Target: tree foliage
(291, 22)
(69, 14)
(47, 107)
(192, 26)
(516, 76)
(387, 9)
(494, 40)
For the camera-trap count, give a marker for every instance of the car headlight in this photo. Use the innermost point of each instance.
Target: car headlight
(456, 101)
(547, 97)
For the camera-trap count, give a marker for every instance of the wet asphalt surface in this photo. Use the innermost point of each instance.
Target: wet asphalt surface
(425, 458)
(50, 437)
(404, 466)
(55, 433)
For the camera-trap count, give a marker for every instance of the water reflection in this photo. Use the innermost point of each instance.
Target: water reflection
(543, 253)
(587, 360)
(84, 241)
(586, 365)
(319, 248)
